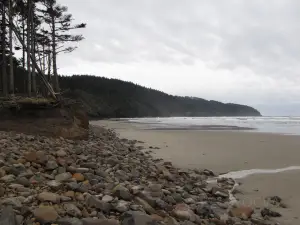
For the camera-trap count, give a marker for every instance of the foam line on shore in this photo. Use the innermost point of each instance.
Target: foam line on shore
(245, 173)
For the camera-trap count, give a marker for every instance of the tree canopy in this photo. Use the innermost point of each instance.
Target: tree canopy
(41, 30)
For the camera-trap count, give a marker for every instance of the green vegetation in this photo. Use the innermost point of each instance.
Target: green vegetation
(104, 98)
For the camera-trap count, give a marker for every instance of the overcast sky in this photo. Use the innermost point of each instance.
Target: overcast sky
(237, 51)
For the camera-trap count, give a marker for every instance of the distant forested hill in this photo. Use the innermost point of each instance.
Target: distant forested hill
(104, 98)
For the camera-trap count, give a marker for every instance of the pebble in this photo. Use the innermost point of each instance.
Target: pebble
(69, 221)
(81, 170)
(49, 197)
(122, 206)
(63, 177)
(268, 212)
(2, 172)
(242, 212)
(61, 153)
(183, 212)
(148, 208)
(78, 177)
(51, 165)
(31, 156)
(23, 180)
(45, 214)
(93, 201)
(107, 198)
(55, 185)
(72, 210)
(91, 221)
(122, 192)
(70, 194)
(137, 218)
(8, 178)
(14, 201)
(2, 191)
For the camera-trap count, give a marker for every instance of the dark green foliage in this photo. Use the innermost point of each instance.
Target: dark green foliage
(111, 98)
(104, 97)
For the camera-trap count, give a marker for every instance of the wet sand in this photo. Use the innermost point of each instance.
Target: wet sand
(286, 185)
(225, 151)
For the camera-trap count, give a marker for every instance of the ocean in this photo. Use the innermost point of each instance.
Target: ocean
(280, 125)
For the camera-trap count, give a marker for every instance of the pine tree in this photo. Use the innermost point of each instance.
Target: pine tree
(60, 23)
(42, 32)
(29, 12)
(35, 23)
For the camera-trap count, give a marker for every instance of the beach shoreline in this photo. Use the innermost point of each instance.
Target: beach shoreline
(227, 151)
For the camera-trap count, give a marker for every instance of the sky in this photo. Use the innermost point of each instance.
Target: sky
(238, 51)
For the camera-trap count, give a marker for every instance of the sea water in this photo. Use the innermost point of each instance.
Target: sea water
(280, 125)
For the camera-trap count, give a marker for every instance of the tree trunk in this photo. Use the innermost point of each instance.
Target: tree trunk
(49, 66)
(23, 35)
(44, 58)
(11, 64)
(40, 72)
(3, 48)
(28, 49)
(40, 57)
(33, 53)
(55, 81)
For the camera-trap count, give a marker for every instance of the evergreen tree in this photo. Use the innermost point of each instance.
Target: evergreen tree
(41, 29)
(29, 14)
(60, 23)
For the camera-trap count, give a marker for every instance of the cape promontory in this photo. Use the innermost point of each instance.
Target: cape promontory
(106, 98)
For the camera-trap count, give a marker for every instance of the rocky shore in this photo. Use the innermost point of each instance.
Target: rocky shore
(108, 181)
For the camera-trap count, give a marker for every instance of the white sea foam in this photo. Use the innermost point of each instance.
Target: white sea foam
(245, 173)
(282, 125)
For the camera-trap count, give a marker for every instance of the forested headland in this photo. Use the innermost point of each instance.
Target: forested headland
(103, 98)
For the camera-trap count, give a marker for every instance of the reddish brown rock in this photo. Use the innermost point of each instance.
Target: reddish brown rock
(242, 212)
(37, 157)
(78, 176)
(30, 156)
(41, 157)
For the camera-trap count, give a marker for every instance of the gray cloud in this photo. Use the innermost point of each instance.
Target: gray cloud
(255, 42)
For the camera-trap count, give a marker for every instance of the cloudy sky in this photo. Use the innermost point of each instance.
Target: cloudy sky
(237, 51)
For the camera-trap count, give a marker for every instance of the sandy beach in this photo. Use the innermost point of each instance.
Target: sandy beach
(225, 151)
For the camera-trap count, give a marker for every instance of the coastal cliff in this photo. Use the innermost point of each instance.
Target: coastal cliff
(40, 116)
